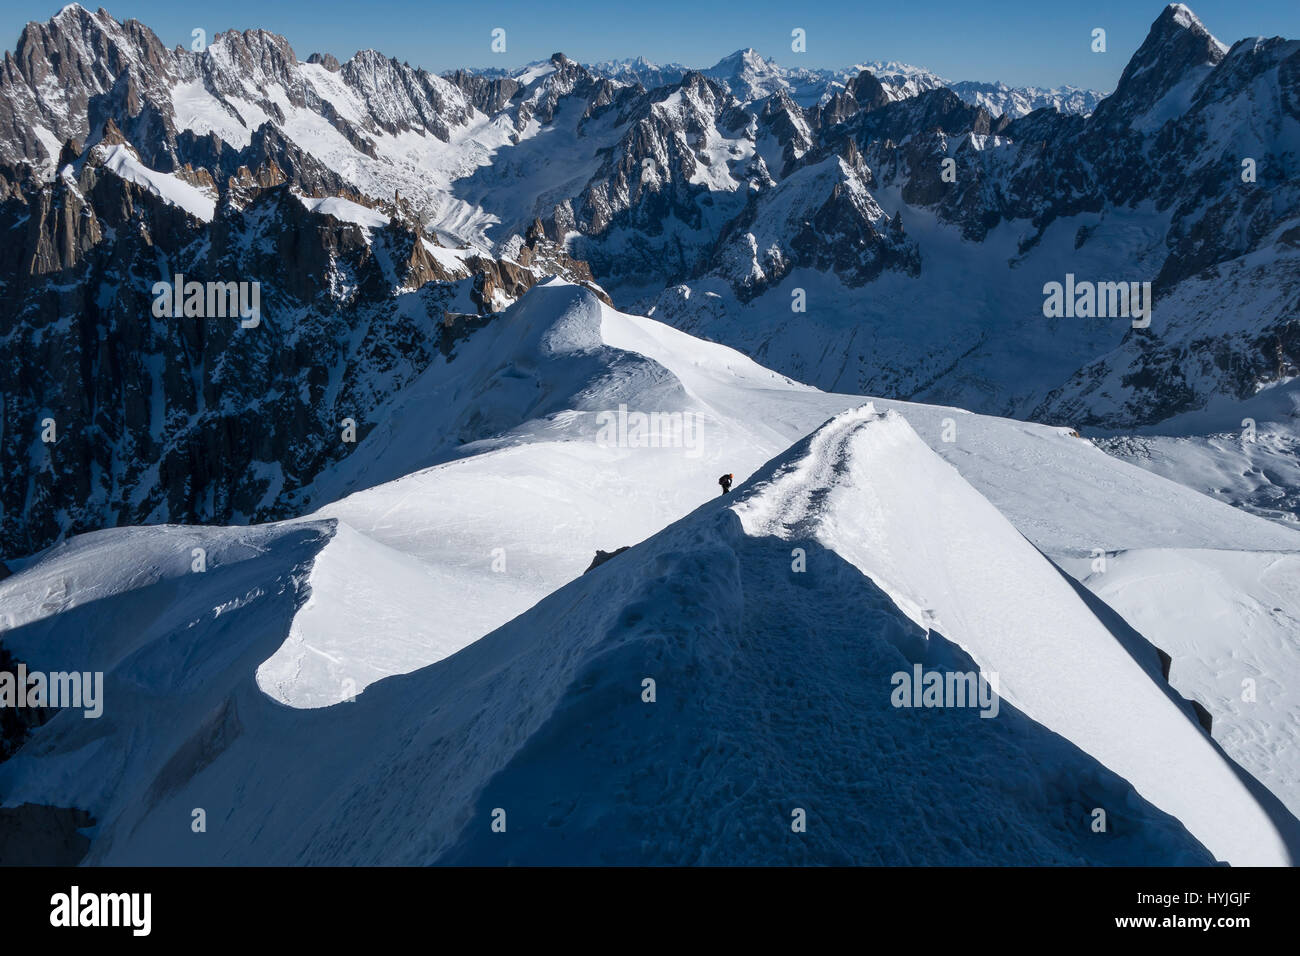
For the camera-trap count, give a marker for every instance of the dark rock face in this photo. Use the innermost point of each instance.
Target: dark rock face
(37, 835)
(488, 95)
(783, 118)
(17, 723)
(1203, 716)
(99, 67)
(603, 556)
(327, 60)
(134, 417)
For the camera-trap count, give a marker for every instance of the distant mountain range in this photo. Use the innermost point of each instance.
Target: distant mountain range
(870, 233)
(749, 76)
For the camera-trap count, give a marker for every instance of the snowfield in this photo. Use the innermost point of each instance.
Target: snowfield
(1230, 620)
(372, 682)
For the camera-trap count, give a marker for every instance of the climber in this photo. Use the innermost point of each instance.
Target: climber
(725, 481)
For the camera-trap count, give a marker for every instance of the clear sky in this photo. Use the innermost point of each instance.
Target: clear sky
(1045, 43)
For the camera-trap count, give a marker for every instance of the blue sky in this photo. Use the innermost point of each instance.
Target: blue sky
(1018, 42)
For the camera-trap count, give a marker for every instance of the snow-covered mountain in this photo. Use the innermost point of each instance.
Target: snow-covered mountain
(864, 549)
(329, 553)
(750, 77)
(709, 205)
(1017, 101)
(916, 235)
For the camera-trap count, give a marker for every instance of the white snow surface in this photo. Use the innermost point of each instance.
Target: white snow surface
(878, 496)
(345, 210)
(1231, 622)
(444, 592)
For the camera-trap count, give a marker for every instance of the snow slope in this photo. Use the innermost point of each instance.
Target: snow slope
(1231, 622)
(439, 590)
(536, 502)
(1262, 476)
(1242, 453)
(544, 719)
(971, 333)
(870, 490)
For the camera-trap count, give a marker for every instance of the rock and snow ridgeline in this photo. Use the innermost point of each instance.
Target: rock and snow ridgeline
(444, 657)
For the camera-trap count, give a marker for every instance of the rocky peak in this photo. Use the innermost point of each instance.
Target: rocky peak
(327, 60)
(1178, 49)
(786, 121)
(488, 95)
(90, 48)
(110, 135)
(399, 97)
(701, 87)
(76, 59)
(746, 61)
(862, 94)
(69, 153)
(868, 91)
(245, 185)
(747, 75)
(247, 64)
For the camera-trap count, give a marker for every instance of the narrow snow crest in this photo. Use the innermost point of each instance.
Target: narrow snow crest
(344, 210)
(577, 327)
(123, 161)
(866, 486)
(828, 488)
